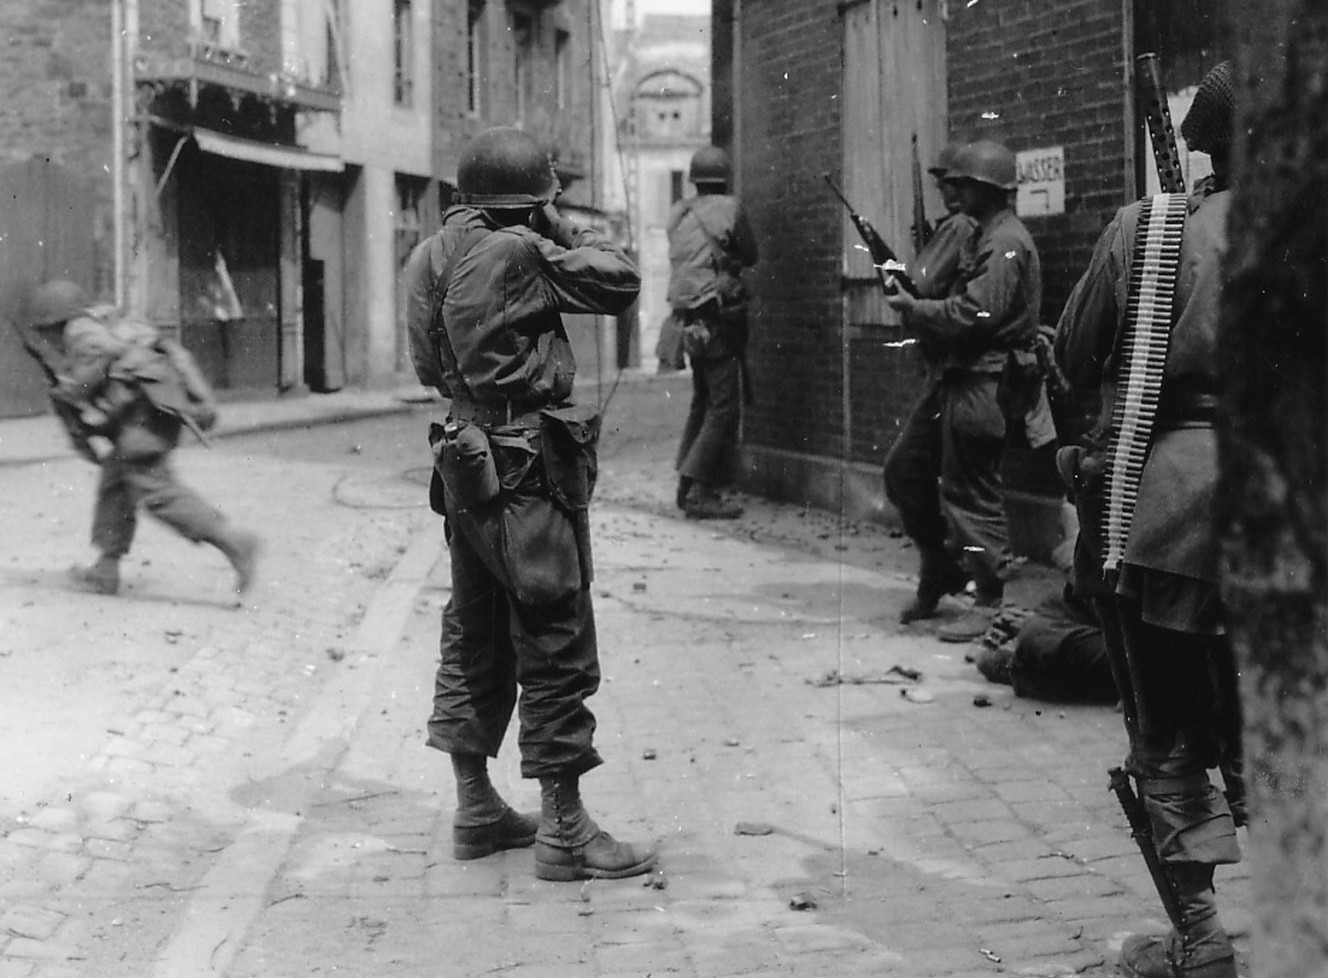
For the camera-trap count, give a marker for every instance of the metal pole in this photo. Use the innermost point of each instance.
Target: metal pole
(118, 147)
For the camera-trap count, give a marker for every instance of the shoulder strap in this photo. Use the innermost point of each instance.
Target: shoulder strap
(719, 251)
(437, 326)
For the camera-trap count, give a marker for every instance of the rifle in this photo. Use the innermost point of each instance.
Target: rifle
(1142, 833)
(1153, 104)
(889, 269)
(921, 229)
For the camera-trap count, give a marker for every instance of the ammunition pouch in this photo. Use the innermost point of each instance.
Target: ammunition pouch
(491, 485)
(717, 328)
(1020, 385)
(569, 440)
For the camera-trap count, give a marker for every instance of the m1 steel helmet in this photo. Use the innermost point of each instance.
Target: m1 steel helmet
(985, 161)
(710, 164)
(56, 301)
(505, 168)
(945, 160)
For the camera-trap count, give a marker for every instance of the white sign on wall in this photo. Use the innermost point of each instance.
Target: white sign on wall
(1041, 176)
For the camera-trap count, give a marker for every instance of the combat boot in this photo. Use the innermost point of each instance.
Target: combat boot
(570, 846)
(1200, 948)
(100, 577)
(684, 487)
(484, 823)
(241, 549)
(939, 576)
(704, 503)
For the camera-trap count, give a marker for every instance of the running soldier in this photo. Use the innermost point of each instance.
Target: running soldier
(126, 388)
(514, 470)
(1160, 606)
(710, 243)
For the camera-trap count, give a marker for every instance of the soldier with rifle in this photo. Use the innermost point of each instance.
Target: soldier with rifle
(124, 394)
(1148, 549)
(980, 303)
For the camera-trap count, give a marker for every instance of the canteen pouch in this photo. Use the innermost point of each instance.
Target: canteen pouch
(464, 462)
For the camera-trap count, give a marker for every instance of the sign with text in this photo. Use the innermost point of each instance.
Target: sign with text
(1041, 176)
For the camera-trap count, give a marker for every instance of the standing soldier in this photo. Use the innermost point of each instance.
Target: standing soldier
(914, 463)
(515, 466)
(1155, 577)
(710, 243)
(127, 386)
(990, 311)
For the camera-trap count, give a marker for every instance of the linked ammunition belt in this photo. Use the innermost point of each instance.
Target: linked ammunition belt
(1146, 338)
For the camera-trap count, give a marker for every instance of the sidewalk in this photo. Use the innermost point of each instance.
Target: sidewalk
(42, 438)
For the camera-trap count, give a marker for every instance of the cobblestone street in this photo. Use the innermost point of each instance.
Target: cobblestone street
(201, 789)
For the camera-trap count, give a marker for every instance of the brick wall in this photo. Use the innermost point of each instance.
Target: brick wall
(56, 79)
(788, 135)
(1033, 74)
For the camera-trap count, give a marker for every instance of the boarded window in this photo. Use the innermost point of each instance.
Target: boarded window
(894, 89)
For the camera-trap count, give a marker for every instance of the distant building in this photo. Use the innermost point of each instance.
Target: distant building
(661, 92)
(251, 174)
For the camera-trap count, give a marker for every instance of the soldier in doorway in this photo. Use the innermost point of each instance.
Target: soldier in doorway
(514, 470)
(710, 243)
(132, 391)
(1160, 605)
(990, 310)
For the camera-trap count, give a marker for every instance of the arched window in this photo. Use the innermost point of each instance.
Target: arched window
(666, 104)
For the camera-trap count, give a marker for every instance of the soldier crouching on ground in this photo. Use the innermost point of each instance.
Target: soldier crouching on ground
(126, 386)
(514, 470)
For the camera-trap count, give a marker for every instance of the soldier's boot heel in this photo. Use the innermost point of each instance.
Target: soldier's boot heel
(1199, 948)
(484, 823)
(241, 548)
(1154, 956)
(513, 830)
(100, 577)
(570, 846)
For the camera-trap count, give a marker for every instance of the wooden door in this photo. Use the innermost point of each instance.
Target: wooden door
(894, 88)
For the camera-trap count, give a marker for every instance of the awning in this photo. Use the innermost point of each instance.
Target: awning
(268, 154)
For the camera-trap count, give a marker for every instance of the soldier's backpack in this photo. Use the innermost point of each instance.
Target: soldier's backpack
(161, 370)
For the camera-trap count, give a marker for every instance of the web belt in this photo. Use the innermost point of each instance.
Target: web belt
(1147, 335)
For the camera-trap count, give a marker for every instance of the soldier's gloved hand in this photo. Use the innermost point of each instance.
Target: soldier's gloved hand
(548, 222)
